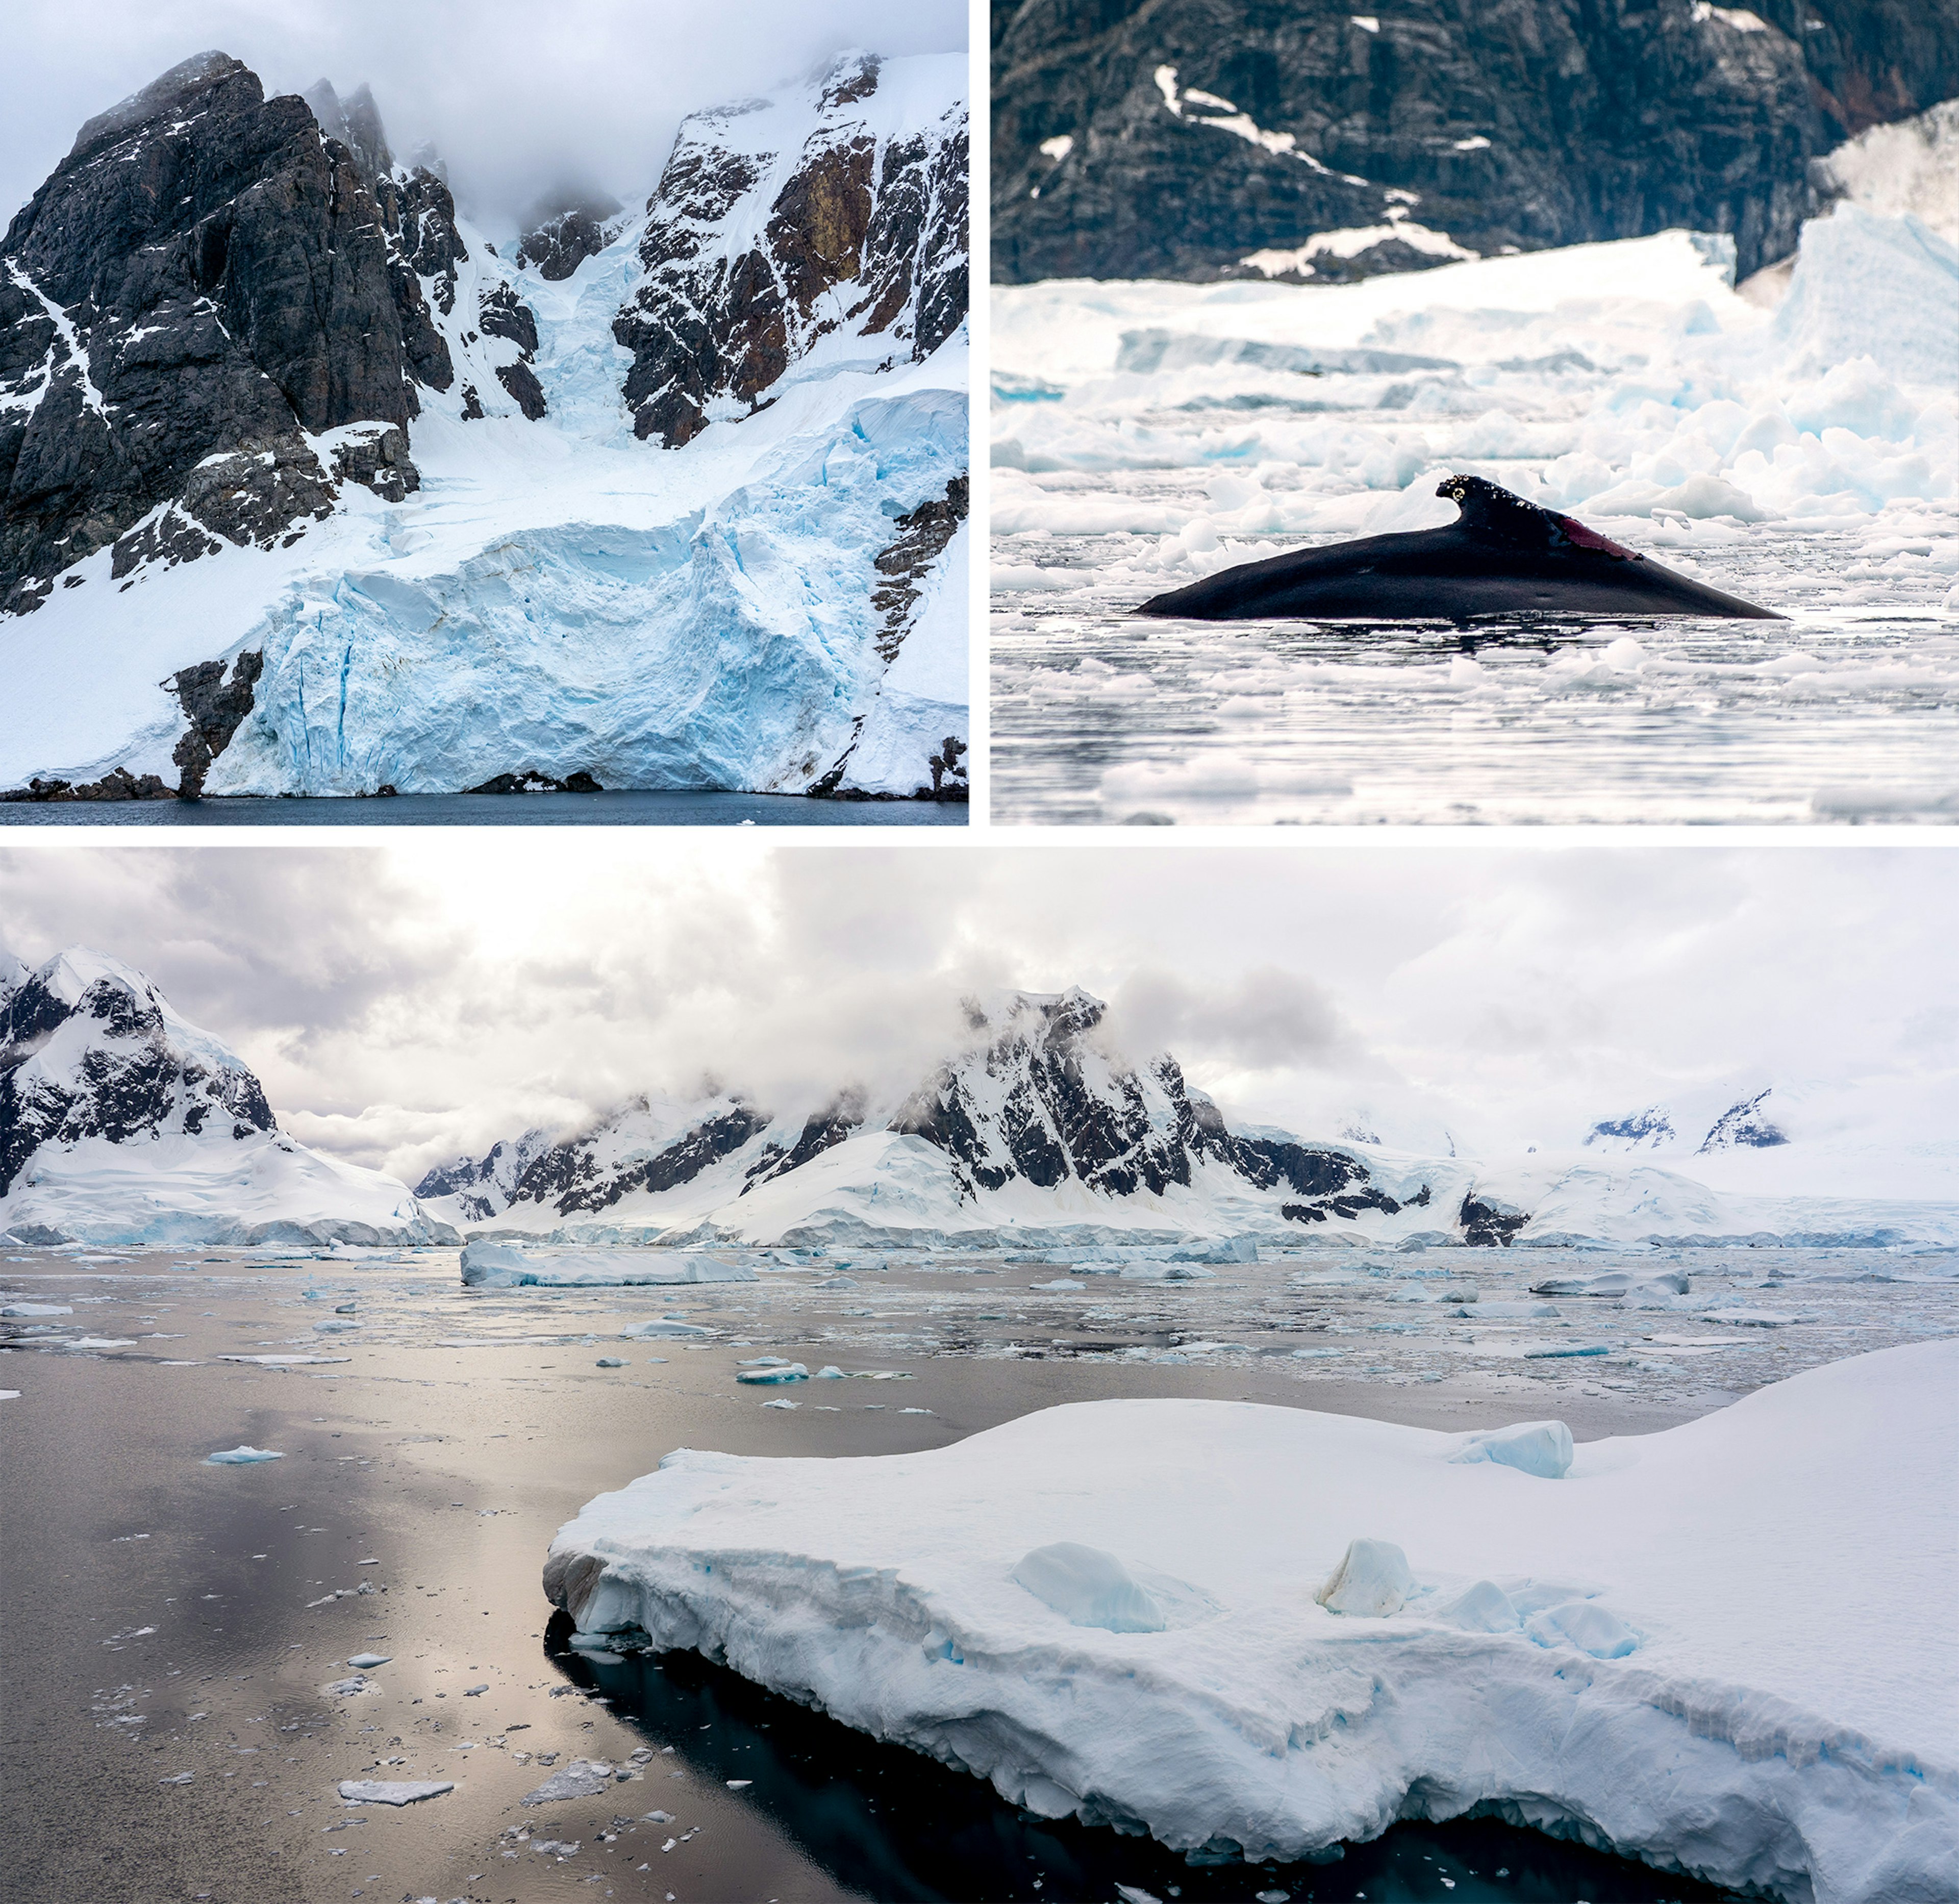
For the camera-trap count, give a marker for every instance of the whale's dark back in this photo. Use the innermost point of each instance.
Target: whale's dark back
(1504, 555)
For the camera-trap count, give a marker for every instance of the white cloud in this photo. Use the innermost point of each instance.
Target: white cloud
(406, 1001)
(518, 98)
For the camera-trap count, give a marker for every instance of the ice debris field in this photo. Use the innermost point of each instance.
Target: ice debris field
(1726, 1648)
(1686, 1326)
(1800, 453)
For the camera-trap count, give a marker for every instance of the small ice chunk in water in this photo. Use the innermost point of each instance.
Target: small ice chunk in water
(1586, 1625)
(392, 1792)
(1484, 1608)
(830, 1371)
(785, 1372)
(1059, 1283)
(347, 1688)
(241, 1456)
(782, 1401)
(581, 1779)
(610, 1361)
(1539, 1448)
(665, 1325)
(1372, 1580)
(1089, 1587)
(36, 1309)
(364, 1661)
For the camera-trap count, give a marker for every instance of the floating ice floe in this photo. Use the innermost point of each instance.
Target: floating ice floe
(778, 1371)
(581, 1779)
(366, 1662)
(1725, 1647)
(670, 1327)
(36, 1309)
(241, 1457)
(506, 1266)
(392, 1792)
(286, 1361)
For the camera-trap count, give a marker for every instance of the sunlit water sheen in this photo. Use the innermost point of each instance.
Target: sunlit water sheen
(1848, 711)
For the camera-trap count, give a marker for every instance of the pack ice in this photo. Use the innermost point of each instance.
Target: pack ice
(1726, 1649)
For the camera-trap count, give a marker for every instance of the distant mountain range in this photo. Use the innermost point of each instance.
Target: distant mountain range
(1745, 1124)
(120, 1122)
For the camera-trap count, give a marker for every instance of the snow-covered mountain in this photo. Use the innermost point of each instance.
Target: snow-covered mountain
(468, 1189)
(675, 499)
(121, 1122)
(1038, 1132)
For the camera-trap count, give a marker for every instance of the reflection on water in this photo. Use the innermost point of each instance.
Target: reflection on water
(888, 1823)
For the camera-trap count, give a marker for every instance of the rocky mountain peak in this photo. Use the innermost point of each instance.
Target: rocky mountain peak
(561, 233)
(831, 216)
(199, 287)
(1745, 1124)
(89, 1048)
(356, 122)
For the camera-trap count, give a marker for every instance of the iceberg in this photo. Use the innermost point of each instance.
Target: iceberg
(487, 1265)
(1683, 1652)
(1540, 1447)
(241, 1457)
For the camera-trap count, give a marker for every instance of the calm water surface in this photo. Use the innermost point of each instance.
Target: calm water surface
(493, 809)
(168, 1617)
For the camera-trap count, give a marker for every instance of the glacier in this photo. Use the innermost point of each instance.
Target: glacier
(1724, 1648)
(559, 598)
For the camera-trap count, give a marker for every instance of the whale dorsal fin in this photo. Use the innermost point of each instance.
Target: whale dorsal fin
(1488, 510)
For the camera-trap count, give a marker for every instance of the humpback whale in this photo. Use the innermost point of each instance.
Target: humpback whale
(1502, 554)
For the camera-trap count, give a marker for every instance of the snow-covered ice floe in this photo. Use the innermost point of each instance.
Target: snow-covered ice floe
(506, 1266)
(1726, 1649)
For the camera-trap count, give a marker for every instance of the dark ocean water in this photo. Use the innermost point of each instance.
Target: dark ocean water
(493, 809)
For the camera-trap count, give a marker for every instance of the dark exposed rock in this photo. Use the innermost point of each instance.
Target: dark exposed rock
(903, 562)
(206, 278)
(561, 237)
(530, 780)
(129, 1076)
(820, 1131)
(888, 230)
(1744, 1125)
(214, 706)
(571, 1177)
(201, 276)
(1486, 1225)
(523, 385)
(118, 783)
(379, 462)
(1137, 138)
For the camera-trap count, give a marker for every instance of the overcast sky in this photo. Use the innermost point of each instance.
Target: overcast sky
(519, 97)
(404, 1003)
